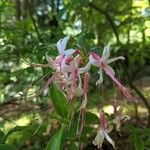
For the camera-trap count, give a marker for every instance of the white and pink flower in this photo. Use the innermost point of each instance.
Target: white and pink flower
(103, 133)
(67, 71)
(103, 64)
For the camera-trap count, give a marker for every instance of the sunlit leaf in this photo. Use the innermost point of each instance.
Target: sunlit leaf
(55, 142)
(15, 129)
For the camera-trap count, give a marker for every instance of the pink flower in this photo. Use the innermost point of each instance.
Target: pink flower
(73, 78)
(59, 76)
(63, 54)
(102, 64)
(103, 133)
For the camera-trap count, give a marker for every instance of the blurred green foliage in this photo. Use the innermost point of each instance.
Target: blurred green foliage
(30, 28)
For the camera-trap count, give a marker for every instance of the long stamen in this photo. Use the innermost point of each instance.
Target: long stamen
(46, 85)
(124, 91)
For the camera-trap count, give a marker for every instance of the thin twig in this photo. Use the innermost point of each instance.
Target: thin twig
(108, 17)
(33, 21)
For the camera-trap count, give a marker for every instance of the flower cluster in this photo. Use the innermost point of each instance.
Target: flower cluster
(67, 71)
(68, 74)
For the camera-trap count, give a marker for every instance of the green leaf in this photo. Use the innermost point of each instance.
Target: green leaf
(138, 131)
(147, 142)
(86, 130)
(73, 126)
(2, 136)
(6, 147)
(59, 101)
(91, 118)
(73, 146)
(138, 143)
(15, 129)
(89, 36)
(55, 142)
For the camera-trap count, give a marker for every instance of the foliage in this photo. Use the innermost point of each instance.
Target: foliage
(29, 30)
(140, 137)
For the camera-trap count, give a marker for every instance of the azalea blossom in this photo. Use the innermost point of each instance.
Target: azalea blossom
(100, 62)
(64, 54)
(61, 46)
(103, 64)
(69, 77)
(58, 65)
(103, 133)
(74, 82)
(67, 71)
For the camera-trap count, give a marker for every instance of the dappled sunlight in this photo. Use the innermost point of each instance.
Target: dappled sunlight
(142, 111)
(146, 91)
(140, 3)
(22, 121)
(25, 120)
(94, 110)
(108, 109)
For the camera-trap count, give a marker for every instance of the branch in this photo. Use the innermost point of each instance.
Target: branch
(33, 21)
(108, 17)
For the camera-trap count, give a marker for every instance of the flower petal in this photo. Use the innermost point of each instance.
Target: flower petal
(114, 59)
(66, 68)
(69, 52)
(85, 69)
(84, 103)
(109, 140)
(99, 139)
(49, 59)
(125, 117)
(80, 81)
(106, 52)
(100, 80)
(109, 128)
(111, 70)
(93, 60)
(116, 121)
(61, 44)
